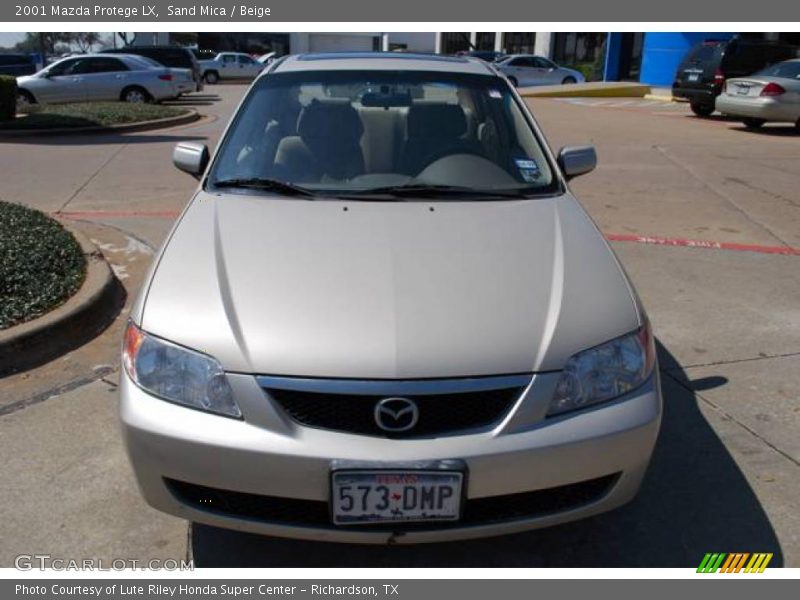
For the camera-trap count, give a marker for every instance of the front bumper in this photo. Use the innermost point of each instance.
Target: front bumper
(759, 107)
(267, 454)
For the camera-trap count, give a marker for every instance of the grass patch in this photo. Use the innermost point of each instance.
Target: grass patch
(41, 264)
(89, 114)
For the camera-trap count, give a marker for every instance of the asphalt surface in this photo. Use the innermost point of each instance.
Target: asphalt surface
(726, 471)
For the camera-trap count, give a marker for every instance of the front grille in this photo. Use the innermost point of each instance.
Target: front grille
(313, 513)
(438, 413)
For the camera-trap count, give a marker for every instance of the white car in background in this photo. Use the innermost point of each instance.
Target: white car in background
(772, 94)
(98, 77)
(525, 70)
(230, 65)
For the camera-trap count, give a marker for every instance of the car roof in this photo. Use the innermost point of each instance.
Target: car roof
(382, 61)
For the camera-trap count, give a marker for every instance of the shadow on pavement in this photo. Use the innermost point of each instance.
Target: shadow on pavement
(787, 130)
(694, 500)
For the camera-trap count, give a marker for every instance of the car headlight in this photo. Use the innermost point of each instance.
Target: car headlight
(177, 374)
(605, 372)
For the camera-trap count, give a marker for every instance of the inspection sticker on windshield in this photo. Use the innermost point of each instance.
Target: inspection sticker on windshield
(528, 169)
(495, 94)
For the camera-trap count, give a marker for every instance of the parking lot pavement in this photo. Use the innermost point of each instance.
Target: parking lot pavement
(676, 175)
(726, 472)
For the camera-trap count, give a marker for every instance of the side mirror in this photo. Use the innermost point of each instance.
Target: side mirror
(577, 160)
(191, 157)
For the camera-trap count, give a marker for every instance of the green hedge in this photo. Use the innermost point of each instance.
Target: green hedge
(90, 114)
(8, 98)
(41, 264)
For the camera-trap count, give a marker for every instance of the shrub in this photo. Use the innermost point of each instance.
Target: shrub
(8, 98)
(90, 114)
(41, 264)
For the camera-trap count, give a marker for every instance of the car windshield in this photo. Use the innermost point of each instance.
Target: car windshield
(788, 70)
(362, 132)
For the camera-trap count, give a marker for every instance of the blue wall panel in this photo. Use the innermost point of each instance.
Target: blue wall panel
(662, 53)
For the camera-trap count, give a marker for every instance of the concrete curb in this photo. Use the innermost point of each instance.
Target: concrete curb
(190, 117)
(88, 312)
(597, 89)
(659, 97)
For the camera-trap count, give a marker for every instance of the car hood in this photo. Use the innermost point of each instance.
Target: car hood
(387, 290)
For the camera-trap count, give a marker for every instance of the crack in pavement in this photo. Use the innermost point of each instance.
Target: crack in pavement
(730, 362)
(760, 190)
(92, 177)
(58, 390)
(685, 385)
(676, 161)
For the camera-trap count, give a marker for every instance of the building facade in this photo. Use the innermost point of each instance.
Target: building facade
(651, 58)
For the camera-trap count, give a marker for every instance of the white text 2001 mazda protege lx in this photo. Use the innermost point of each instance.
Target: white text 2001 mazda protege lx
(384, 318)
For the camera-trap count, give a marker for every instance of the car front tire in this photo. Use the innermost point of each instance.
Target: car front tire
(701, 110)
(569, 80)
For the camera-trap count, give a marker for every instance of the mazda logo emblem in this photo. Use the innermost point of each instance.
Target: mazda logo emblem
(396, 414)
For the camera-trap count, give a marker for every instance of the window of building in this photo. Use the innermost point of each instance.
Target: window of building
(519, 43)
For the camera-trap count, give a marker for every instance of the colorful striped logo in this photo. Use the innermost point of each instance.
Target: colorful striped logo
(734, 563)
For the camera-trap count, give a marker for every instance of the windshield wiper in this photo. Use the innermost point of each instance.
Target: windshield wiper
(270, 185)
(439, 191)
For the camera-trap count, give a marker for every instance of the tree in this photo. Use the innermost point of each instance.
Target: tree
(43, 41)
(85, 40)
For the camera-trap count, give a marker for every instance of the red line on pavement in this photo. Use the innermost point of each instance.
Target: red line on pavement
(612, 237)
(682, 242)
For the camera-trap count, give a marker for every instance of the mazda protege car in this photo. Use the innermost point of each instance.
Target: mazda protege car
(384, 318)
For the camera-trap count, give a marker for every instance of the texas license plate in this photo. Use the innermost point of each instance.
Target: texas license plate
(362, 497)
(694, 76)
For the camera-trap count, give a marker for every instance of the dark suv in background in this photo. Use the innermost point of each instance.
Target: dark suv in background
(702, 73)
(17, 65)
(169, 56)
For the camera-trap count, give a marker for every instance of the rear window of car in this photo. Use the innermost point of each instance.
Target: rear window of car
(702, 53)
(787, 70)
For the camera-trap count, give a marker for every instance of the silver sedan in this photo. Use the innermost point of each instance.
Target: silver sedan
(524, 70)
(772, 94)
(97, 77)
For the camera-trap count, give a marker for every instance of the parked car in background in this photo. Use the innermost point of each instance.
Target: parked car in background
(94, 77)
(486, 55)
(772, 94)
(203, 54)
(702, 73)
(183, 78)
(17, 64)
(176, 57)
(525, 70)
(442, 347)
(230, 65)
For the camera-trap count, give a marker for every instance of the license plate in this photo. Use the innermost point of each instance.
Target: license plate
(743, 90)
(362, 497)
(694, 77)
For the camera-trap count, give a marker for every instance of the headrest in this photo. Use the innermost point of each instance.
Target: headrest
(436, 120)
(330, 119)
